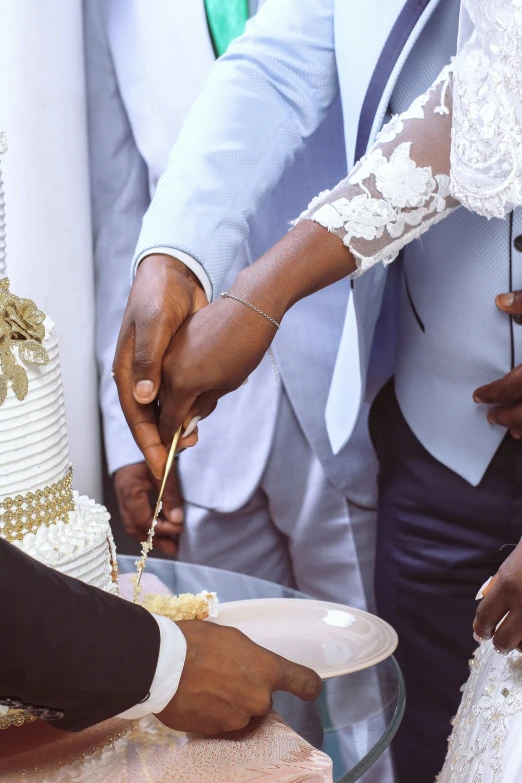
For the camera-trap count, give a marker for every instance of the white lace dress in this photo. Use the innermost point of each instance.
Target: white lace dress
(402, 187)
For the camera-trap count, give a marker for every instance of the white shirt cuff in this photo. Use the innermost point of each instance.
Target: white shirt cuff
(186, 259)
(171, 659)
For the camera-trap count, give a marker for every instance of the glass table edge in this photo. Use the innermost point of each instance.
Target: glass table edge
(179, 564)
(385, 741)
(376, 752)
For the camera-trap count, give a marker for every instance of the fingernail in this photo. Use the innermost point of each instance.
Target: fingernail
(476, 398)
(144, 389)
(480, 594)
(192, 426)
(245, 382)
(478, 638)
(506, 300)
(491, 417)
(516, 436)
(175, 515)
(501, 652)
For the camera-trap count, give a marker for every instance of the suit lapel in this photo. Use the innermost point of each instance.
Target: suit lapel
(369, 103)
(402, 30)
(358, 45)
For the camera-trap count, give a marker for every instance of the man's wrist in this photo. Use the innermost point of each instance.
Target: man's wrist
(191, 263)
(173, 263)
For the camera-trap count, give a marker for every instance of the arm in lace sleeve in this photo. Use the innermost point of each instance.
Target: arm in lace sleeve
(400, 188)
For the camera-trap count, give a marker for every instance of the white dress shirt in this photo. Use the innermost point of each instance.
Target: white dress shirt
(171, 659)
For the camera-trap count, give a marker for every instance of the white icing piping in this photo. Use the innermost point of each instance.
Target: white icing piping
(34, 445)
(82, 548)
(88, 524)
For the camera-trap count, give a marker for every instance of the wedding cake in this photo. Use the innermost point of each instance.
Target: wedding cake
(39, 510)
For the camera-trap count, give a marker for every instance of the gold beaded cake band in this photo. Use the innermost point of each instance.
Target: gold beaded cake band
(26, 513)
(17, 718)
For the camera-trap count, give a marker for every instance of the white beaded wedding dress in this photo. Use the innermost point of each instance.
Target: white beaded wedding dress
(459, 144)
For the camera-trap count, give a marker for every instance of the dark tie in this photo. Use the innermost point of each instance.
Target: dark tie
(226, 21)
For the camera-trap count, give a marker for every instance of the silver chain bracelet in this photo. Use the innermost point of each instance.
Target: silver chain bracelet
(226, 295)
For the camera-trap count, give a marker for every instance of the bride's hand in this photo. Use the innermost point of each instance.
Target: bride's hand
(212, 354)
(218, 347)
(503, 597)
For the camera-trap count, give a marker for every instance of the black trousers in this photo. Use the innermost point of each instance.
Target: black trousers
(438, 540)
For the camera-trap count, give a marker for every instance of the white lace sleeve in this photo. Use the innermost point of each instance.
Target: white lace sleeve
(400, 188)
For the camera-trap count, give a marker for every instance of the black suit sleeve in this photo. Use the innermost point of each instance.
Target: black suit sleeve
(70, 647)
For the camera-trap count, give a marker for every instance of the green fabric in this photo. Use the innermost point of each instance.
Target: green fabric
(226, 21)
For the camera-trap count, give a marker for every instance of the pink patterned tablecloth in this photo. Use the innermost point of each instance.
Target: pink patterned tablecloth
(145, 751)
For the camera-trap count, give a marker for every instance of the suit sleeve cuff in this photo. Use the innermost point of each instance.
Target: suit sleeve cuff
(186, 259)
(171, 659)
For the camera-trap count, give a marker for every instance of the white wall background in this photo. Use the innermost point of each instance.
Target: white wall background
(42, 108)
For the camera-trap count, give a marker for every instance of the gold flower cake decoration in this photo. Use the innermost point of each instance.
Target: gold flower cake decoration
(22, 330)
(22, 333)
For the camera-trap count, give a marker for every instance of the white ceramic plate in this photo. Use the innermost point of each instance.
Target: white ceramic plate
(330, 638)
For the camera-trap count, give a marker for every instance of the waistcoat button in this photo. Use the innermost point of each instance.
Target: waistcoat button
(518, 243)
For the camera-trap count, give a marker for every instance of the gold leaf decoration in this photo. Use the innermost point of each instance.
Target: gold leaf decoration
(3, 388)
(8, 364)
(5, 336)
(32, 352)
(21, 327)
(20, 382)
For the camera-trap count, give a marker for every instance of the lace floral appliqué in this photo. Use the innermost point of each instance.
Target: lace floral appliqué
(401, 183)
(390, 198)
(486, 154)
(492, 699)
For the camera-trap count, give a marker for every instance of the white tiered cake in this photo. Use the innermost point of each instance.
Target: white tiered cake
(39, 512)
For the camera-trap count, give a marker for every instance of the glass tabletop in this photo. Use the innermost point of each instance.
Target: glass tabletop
(355, 718)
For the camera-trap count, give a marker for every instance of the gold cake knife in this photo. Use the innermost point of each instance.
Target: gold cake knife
(147, 546)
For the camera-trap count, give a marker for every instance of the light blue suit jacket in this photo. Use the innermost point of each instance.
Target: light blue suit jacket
(263, 102)
(136, 106)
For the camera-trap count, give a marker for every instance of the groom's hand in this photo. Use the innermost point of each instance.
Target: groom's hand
(505, 394)
(227, 680)
(503, 597)
(165, 292)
